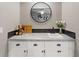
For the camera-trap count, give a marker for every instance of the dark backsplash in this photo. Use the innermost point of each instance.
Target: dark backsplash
(69, 33)
(12, 33)
(45, 30)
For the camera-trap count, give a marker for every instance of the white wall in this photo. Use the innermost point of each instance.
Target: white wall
(26, 17)
(9, 18)
(70, 13)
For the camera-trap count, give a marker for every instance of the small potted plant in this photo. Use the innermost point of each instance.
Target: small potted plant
(60, 24)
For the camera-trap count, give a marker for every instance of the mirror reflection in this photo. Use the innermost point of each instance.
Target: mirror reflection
(41, 12)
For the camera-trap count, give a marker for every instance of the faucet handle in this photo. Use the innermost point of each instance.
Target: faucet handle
(52, 27)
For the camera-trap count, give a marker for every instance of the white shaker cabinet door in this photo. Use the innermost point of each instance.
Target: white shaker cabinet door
(36, 48)
(50, 49)
(59, 48)
(67, 49)
(17, 49)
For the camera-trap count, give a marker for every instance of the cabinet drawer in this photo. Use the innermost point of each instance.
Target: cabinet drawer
(65, 44)
(61, 44)
(17, 44)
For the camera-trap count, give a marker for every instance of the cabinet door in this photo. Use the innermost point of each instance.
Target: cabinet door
(17, 49)
(67, 49)
(36, 48)
(26, 48)
(59, 48)
(50, 49)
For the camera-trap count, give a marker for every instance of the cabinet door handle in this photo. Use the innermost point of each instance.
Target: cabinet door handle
(26, 51)
(59, 51)
(43, 51)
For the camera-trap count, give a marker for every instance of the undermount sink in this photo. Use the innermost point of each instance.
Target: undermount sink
(56, 35)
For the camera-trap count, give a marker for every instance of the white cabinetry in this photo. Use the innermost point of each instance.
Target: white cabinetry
(41, 48)
(25, 48)
(17, 48)
(59, 48)
(36, 48)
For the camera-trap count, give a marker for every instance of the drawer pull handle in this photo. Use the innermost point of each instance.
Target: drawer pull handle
(34, 44)
(58, 44)
(59, 51)
(17, 44)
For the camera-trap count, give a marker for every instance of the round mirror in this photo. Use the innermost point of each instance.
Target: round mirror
(41, 12)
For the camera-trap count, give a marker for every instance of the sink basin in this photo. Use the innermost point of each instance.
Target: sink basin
(56, 35)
